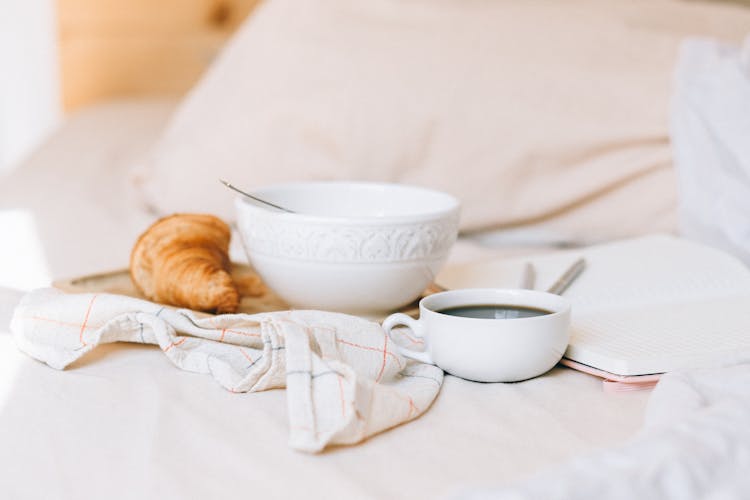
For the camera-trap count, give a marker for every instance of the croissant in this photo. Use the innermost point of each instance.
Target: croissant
(183, 260)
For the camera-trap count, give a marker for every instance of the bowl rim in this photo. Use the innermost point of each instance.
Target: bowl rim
(454, 205)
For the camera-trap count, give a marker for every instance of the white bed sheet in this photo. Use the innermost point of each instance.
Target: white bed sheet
(128, 424)
(74, 190)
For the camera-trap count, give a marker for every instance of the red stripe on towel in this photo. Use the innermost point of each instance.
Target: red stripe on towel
(86, 319)
(385, 358)
(175, 344)
(388, 353)
(247, 356)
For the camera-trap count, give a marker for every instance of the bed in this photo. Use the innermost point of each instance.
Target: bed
(124, 423)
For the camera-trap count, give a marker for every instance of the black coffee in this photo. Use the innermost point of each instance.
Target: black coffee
(494, 311)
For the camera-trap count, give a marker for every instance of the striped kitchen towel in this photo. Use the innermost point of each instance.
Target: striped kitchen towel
(344, 379)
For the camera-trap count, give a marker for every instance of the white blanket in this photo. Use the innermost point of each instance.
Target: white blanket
(695, 445)
(710, 127)
(123, 407)
(344, 381)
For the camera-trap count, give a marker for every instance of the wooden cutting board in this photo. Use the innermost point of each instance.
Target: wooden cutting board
(255, 296)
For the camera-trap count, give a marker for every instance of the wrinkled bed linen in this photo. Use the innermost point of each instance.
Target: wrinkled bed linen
(710, 130)
(74, 192)
(122, 407)
(344, 380)
(124, 423)
(75, 196)
(695, 445)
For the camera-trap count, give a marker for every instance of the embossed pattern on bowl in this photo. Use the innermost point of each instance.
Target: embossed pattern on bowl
(351, 243)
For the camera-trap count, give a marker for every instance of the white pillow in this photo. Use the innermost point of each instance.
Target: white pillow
(546, 113)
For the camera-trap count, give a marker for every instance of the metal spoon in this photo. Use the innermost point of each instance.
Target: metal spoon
(529, 276)
(253, 197)
(567, 279)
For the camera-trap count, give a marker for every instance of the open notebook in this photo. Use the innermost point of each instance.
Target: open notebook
(642, 306)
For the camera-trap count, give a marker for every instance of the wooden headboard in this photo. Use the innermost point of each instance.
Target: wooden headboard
(119, 48)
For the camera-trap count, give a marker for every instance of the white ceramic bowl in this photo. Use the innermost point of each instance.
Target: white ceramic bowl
(355, 247)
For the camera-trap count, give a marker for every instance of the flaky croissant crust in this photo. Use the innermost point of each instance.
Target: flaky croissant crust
(183, 260)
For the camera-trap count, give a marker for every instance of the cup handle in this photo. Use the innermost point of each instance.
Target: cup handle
(416, 327)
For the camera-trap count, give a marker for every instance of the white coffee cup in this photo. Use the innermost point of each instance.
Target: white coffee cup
(489, 350)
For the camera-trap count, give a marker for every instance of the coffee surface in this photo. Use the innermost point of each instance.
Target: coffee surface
(494, 311)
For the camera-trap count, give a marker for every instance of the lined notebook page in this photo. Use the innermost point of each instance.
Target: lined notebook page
(647, 305)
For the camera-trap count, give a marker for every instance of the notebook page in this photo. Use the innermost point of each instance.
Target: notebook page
(653, 270)
(662, 338)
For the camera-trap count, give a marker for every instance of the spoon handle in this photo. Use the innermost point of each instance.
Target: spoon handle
(238, 190)
(529, 276)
